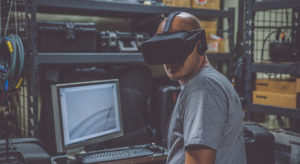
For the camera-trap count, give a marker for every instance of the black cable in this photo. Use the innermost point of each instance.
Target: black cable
(164, 144)
(163, 153)
(239, 74)
(164, 139)
(264, 42)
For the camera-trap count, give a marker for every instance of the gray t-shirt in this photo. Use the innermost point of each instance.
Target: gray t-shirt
(208, 112)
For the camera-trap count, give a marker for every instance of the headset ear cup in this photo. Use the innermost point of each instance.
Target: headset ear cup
(200, 49)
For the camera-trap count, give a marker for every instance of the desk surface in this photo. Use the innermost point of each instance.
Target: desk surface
(153, 159)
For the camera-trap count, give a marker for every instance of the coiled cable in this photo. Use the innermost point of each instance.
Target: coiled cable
(19, 61)
(11, 61)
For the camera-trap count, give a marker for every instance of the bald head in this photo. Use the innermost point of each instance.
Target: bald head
(181, 22)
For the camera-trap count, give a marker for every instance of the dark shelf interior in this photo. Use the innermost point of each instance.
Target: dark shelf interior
(117, 9)
(219, 56)
(60, 58)
(275, 4)
(257, 25)
(287, 112)
(280, 68)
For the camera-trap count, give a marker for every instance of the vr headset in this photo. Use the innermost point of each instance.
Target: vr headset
(172, 47)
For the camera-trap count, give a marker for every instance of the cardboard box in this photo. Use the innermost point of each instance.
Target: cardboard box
(212, 46)
(298, 85)
(277, 86)
(209, 31)
(223, 46)
(218, 46)
(178, 3)
(206, 4)
(210, 27)
(275, 99)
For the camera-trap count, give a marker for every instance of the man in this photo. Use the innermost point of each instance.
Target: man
(206, 124)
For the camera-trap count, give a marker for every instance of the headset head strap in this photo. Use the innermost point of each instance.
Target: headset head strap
(169, 21)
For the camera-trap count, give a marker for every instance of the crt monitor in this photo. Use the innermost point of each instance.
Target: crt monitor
(86, 113)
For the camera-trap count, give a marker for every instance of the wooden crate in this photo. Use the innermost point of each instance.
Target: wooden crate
(206, 4)
(210, 27)
(298, 85)
(178, 3)
(277, 86)
(218, 46)
(275, 99)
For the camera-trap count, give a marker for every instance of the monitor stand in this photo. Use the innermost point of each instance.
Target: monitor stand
(71, 152)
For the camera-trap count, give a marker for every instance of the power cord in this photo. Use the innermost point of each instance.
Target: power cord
(264, 42)
(238, 77)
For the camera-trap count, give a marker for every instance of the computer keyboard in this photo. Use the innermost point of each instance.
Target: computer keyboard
(113, 154)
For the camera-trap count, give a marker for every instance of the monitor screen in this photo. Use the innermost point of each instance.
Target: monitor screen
(86, 113)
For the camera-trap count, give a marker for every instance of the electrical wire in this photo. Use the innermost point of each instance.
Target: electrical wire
(16, 19)
(19, 59)
(264, 42)
(10, 8)
(11, 43)
(11, 61)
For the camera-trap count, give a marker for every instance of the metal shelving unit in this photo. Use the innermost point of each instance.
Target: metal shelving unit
(68, 58)
(115, 9)
(277, 68)
(106, 9)
(13, 22)
(278, 4)
(251, 67)
(291, 113)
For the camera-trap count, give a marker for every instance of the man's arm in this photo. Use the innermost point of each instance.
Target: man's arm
(200, 155)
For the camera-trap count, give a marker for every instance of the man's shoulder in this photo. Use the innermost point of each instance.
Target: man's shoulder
(206, 79)
(209, 81)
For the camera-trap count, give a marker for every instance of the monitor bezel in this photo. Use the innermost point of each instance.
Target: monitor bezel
(58, 122)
